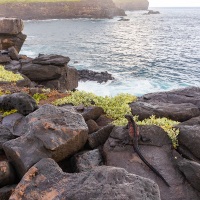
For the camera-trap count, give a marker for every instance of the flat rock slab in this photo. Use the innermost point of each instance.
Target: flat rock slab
(159, 156)
(178, 112)
(185, 95)
(179, 105)
(51, 132)
(11, 26)
(45, 180)
(51, 59)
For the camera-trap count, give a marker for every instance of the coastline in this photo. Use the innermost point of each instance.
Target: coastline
(71, 144)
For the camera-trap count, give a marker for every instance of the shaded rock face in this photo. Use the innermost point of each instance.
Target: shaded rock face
(59, 10)
(132, 4)
(5, 135)
(158, 153)
(5, 192)
(189, 138)
(99, 183)
(179, 105)
(11, 33)
(7, 175)
(50, 132)
(51, 71)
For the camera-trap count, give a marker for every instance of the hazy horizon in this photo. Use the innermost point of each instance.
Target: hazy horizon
(174, 3)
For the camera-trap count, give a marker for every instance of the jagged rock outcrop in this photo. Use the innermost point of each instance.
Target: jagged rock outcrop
(59, 10)
(11, 32)
(132, 4)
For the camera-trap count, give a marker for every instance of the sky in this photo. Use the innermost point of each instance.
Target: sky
(174, 3)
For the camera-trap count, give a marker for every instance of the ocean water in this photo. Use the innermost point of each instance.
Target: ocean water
(149, 53)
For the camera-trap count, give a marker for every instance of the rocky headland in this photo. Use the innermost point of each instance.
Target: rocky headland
(61, 9)
(132, 5)
(67, 151)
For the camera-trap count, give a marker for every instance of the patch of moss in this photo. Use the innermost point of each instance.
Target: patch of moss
(8, 76)
(114, 107)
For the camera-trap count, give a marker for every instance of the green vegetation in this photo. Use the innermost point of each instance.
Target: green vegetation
(34, 1)
(166, 124)
(6, 113)
(4, 92)
(39, 96)
(114, 107)
(7, 76)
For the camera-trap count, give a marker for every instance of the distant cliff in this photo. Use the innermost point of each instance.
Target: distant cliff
(61, 10)
(132, 4)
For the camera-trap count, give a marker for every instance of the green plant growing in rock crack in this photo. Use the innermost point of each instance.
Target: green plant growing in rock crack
(8, 76)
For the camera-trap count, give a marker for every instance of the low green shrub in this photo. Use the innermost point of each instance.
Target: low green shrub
(8, 76)
(114, 107)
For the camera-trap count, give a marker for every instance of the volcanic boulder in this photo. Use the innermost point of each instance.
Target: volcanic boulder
(50, 132)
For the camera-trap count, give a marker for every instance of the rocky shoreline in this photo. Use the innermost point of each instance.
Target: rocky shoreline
(75, 152)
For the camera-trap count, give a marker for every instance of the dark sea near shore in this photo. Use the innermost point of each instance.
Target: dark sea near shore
(149, 53)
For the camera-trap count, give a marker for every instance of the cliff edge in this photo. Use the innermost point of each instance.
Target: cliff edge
(61, 10)
(132, 4)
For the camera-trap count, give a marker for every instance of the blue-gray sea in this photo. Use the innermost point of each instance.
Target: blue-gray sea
(149, 53)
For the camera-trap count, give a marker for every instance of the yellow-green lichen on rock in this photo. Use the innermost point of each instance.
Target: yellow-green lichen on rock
(8, 76)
